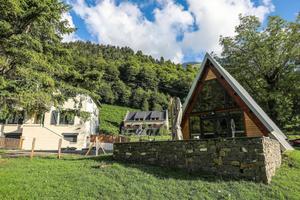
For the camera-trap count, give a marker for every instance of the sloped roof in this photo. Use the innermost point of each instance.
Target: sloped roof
(146, 115)
(275, 132)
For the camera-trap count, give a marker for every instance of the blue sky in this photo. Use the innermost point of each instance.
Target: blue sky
(181, 30)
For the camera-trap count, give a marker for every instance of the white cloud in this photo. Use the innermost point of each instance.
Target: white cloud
(219, 17)
(124, 24)
(72, 36)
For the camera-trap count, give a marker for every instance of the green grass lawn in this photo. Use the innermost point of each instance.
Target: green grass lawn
(111, 117)
(103, 178)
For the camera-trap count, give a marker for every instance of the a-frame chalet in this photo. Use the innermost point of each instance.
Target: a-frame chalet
(218, 106)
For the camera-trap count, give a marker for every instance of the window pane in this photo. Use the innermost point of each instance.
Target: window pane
(70, 138)
(66, 117)
(208, 127)
(39, 118)
(222, 127)
(212, 97)
(195, 124)
(54, 117)
(16, 118)
(238, 120)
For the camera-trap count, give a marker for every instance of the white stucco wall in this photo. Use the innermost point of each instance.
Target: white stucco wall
(47, 135)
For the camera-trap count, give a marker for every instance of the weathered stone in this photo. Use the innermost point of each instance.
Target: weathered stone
(190, 151)
(244, 150)
(203, 149)
(248, 158)
(226, 149)
(222, 153)
(247, 165)
(235, 163)
(218, 161)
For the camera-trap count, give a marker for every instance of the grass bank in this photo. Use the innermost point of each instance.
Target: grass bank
(111, 117)
(103, 178)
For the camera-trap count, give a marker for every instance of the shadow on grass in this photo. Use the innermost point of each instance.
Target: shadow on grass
(158, 171)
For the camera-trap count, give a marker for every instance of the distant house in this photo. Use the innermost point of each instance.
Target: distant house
(218, 106)
(145, 122)
(49, 127)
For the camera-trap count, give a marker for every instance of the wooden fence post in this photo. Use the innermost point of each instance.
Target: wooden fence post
(59, 148)
(97, 146)
(21, 142)
(32, 148)
(90, 148)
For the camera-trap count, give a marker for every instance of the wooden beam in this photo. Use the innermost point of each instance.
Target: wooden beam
(193, 99)
(97, 146)
(90, 148)
(21, 142)
(216, 111)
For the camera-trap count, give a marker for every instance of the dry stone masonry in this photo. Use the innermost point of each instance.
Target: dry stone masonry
(242, 158)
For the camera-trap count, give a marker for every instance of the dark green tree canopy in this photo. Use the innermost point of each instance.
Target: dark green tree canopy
(31, 55)
(126, 77)
(264, 60)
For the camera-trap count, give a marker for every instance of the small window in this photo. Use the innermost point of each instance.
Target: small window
(66, 117)
(16, 118)
(54, 117)
(38, 118)
(2, 121)
(70, 137)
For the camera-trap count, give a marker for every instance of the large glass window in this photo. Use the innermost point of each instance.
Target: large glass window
(220, 124)
(213, 97)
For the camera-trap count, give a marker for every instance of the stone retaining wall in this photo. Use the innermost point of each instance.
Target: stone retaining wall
(241, 158)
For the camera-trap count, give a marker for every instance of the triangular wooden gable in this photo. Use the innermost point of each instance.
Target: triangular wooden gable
(253, 126)
(257, 122)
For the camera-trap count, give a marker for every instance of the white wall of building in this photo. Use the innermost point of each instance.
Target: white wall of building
(48, 135)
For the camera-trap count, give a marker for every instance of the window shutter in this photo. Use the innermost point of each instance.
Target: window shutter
(54, 116)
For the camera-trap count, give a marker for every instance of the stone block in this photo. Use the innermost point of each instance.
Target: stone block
(235, 163)
(203, 149)
(222, 153)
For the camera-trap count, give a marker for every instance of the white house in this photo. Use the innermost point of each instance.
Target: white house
(53, 125)
(146, 122)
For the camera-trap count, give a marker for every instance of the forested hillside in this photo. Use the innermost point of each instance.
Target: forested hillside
(124, 77)
(38, 70)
